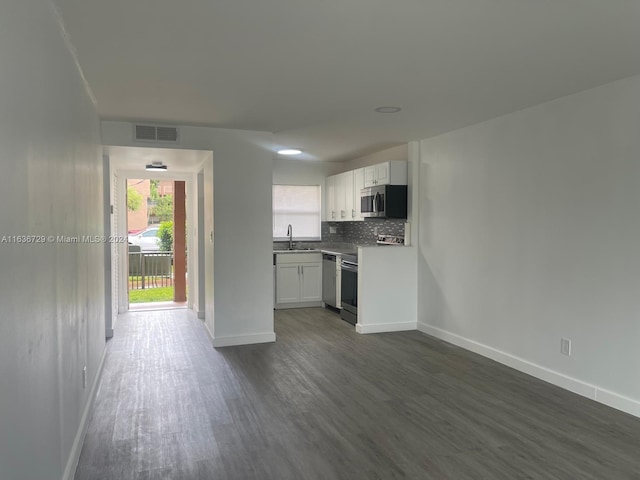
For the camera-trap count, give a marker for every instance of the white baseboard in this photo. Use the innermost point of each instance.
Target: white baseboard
(385, 327)
(76, 449)
(234, 340)
(209, 334)
(574, 385)
(619, 402)
(284, 306)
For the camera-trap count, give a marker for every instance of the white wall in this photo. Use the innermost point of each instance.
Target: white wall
(529, 232)
(242, 309)
(289, 171)
(400, 153)
(52, 302)
(387, 282)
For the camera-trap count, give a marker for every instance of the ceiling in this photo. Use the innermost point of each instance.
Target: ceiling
(178, 161)
(313, 72)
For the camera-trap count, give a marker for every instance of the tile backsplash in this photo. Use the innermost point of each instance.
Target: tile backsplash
(348, 234)
(361, 233)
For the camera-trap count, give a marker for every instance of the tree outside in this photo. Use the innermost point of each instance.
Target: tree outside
(134, 199)
(165, 234)
(163, 209)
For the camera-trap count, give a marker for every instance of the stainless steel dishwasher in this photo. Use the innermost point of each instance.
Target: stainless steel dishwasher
(329, 275)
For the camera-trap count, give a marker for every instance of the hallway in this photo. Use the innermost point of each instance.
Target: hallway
(326, 403)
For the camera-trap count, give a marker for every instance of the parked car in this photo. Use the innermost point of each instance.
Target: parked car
(147, 240)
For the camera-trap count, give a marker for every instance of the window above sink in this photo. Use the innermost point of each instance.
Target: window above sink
(300, 207)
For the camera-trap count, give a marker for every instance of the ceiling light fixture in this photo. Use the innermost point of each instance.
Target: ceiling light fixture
(156, 167)
(388, 109)
(289, 151)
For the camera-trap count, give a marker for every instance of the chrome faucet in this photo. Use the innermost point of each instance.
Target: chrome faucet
(290, 235)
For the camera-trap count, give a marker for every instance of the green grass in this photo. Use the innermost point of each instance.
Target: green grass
(161, 294)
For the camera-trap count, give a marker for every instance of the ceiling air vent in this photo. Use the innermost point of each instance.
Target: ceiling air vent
(153, 133)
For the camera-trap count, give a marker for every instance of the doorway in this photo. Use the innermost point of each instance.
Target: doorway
(183, 181)
(157, 250)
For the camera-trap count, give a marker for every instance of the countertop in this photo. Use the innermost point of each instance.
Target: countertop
(316, 250)
(337, 248)
(352, 249)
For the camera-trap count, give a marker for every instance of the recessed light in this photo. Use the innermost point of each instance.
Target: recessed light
(156, 167)
(289, 151)
(388, 109)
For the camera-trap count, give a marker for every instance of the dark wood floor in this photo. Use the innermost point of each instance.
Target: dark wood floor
(326, 403)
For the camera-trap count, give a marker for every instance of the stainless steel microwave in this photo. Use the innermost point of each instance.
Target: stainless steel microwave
(384, 201)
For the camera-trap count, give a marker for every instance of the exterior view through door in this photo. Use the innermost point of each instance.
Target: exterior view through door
(156, 228)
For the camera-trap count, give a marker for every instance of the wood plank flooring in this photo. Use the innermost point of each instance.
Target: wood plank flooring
(326, 403)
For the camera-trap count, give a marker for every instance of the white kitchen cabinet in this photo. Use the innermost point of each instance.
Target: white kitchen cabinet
(311, 282)
(343, 196)
(331, 213)
(358, 184)
(298, 280)
(287, 283)
(341, 208)
(349, 199)
(387, 173)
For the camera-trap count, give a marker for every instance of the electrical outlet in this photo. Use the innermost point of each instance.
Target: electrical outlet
(333, 229)
(84, 377)
(565, 347)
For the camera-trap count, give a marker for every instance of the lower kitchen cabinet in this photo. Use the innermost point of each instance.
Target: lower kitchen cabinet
(311, 283)
(298, 280)
(287, 283)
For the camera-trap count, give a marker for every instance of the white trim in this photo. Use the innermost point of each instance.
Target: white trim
(606, 397)
(76, 449)
(244, 339)
(284, 306)
(385, 327)
(617, 401)
(209, 334)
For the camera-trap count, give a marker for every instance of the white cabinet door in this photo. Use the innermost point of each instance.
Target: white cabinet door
(358, 184)
(330, 199)
(340, 198)
(288, 283)
(387, 173)
(370, 176)
(311, 283)
(349, 207)
(382, 174)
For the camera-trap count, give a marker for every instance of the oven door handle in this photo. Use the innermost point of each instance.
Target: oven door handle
(375, 202)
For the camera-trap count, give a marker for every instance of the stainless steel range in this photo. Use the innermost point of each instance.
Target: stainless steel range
(349, 288)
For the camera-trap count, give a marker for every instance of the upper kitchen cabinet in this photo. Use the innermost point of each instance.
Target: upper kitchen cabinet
(358, 184)
(387, 173)
(343, 196)
(330, 213)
